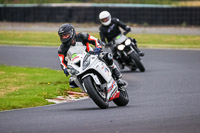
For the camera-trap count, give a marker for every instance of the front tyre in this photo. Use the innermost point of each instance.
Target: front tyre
(123, 98)
(137, 62)
(94, 93)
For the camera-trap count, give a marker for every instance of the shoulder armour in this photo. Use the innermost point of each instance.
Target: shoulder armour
(62, 49)
(115, 20)
(84, 35)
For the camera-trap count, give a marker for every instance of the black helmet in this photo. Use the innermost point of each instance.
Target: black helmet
(67, 33)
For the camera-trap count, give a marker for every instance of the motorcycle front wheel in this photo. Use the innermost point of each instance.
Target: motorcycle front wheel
(137, 62)
(123, 98)
(94, 93)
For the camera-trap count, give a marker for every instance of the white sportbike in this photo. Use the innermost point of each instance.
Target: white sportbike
(94, 77)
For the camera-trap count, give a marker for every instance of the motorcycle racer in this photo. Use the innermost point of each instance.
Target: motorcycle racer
(110, 28)
(70, 38)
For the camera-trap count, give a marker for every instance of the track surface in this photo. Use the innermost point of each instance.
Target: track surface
(164, 99)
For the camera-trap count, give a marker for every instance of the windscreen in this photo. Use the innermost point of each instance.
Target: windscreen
(75, 50)
(120, 39)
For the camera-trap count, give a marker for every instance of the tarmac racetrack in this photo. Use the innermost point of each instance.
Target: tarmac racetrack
(163, 99)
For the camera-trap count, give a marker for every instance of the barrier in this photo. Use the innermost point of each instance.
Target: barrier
(81, 14)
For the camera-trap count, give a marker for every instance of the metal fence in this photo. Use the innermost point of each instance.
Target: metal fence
(81, 14)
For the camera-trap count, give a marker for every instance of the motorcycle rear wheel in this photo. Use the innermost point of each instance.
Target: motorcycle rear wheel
(94, 94)
(123, 98)
(137, 62)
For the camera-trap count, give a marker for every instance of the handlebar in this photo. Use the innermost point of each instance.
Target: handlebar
(126, 32)
(91, 52)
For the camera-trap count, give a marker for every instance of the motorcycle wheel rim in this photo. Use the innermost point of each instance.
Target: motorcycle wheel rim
(101, 93)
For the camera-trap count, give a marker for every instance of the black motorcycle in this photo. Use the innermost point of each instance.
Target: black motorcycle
(126, 51)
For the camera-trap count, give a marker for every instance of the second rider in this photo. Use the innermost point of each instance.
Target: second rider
(110, 29)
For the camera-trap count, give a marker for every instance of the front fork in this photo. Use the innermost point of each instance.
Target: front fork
(128, 50)
(135, 48)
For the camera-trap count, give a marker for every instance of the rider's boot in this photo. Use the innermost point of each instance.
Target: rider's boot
(108, 58)
(138, 51)
(118, 75)
(72, 84)
(136, 48)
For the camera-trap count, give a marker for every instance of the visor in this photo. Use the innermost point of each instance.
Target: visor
(105, 19)
(68, 35)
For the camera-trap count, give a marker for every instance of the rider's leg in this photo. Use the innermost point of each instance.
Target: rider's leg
(108, 59)
(115, 71)
(72, 84)
(136, 48)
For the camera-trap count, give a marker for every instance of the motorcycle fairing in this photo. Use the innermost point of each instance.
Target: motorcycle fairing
(112, 90)
(120, 39)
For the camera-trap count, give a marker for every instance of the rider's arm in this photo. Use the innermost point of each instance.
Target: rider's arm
(102, 36)
(96, 42)
(63, 62)
(122, 25)
(88, 39)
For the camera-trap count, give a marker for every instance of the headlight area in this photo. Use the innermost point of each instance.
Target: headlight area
(121, 47)
(86, 61)
(72, 71)
(127, 42)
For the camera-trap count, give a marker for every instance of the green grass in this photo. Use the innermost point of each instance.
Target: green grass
(164, 40)
(92, 1)
(168, 41)
(160, 2)
(29, 38)
(22, 87)
(144, 40)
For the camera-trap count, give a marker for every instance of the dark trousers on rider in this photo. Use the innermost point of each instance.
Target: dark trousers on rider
(135, 46)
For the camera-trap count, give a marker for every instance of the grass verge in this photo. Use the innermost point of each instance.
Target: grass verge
(144, 40)
(169, 2)
(29, 38)
(22, 87)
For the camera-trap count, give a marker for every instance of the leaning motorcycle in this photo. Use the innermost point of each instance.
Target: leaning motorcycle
(126, 52)
(94, 77)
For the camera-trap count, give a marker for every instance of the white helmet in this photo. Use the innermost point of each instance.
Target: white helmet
(105, 18)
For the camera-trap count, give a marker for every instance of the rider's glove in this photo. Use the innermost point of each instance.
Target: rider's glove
(128, 29)
(66, 72)
(97, 50)
(101, 42)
